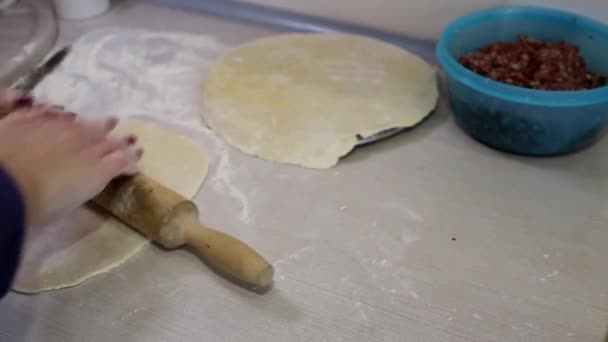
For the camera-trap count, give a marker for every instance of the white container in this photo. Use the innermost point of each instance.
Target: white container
(80, 9)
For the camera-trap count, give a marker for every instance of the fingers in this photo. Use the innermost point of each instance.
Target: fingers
(133, 169)
(41, 112)
(112, 144)
(11, 99)
(53, 113)
(122, 161)
(87, 130)
(95, 130)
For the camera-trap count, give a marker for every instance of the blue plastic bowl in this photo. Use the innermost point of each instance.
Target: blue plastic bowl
(520, 120)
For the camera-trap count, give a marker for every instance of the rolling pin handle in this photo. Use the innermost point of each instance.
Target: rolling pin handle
(230, 256)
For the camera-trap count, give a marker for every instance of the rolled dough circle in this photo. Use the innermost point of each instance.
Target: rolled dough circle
(303, 98)
(89, 242)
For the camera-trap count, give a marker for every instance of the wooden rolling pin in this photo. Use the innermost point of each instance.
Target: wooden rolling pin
(168, 218)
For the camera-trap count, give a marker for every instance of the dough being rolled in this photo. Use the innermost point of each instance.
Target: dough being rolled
(303, 98)
(89, 242)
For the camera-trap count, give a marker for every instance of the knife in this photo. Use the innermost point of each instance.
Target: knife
(28, 82)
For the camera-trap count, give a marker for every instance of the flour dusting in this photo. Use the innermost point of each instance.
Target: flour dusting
(223, 183)
(415, 216)
(126, 201)
(549, 276)
(152, 75)
(408, 237)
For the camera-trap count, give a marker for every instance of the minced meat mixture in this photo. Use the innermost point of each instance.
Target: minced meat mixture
(534, 64)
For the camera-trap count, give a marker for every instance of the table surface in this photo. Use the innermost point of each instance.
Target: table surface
(428, 236)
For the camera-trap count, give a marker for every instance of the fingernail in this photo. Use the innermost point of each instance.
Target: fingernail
(131, 139)
(139, 152)
(24, 101)
(71, 115)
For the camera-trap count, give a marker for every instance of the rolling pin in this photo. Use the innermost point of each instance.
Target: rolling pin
(168, 218)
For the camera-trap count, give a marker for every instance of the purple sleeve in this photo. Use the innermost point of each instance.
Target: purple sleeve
(12, 230)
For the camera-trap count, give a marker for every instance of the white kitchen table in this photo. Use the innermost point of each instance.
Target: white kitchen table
(428, 236)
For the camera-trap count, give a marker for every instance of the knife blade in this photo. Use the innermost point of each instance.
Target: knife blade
(28, 82)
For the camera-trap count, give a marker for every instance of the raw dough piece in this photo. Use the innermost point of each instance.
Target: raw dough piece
(303, 98)
(89, 242)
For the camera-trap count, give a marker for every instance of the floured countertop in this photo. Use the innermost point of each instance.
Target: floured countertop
(27, 32)
(150, 75)
(428, 236)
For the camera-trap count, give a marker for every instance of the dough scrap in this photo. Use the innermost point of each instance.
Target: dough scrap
(303, 98)
(88, 242)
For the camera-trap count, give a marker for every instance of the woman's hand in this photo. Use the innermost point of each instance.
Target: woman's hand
(59, 161)
(11, 99)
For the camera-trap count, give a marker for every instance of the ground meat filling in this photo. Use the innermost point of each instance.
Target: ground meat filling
(534, 64)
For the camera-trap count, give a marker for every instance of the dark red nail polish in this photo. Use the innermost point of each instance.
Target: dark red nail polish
(139, 153)
(131, 139)
(24, 101)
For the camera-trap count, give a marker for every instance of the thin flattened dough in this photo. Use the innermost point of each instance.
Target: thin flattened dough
(303, 98)
(88, 242)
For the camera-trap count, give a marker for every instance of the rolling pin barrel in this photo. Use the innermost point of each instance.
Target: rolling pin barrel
(142, 203)
(168, 218)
